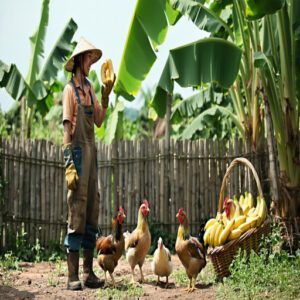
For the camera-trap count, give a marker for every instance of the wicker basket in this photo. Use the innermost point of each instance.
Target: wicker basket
(222, 256)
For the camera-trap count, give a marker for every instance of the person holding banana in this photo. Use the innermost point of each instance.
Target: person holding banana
(81, 110)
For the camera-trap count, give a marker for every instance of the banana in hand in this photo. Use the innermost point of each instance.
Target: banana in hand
(107, 72)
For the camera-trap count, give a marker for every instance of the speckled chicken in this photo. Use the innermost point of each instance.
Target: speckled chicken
(189, 250)
(162, 264)
(111, 248)
(138, 242)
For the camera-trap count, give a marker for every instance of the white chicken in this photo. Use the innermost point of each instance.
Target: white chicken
(162, 264)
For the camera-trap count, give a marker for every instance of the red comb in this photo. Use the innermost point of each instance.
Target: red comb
(180, 211)
(146, 202)
(121, 210)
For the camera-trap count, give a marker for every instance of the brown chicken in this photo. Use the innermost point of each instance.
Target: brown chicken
(110, 248)
(189, 250)
(138, 242)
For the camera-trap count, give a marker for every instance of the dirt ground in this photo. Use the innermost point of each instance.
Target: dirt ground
(48, 281)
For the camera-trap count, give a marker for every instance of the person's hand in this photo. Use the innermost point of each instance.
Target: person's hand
(71, 177)
(106, 90)
(71, 173)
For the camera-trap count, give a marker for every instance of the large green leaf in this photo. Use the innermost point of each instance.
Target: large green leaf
(37, 44)
(112, 122)
(12, 80)
(148, 29)
(57, 57)
(200, 121)
(188, 107)
(257, 9)
(204, 61)
(201, 16)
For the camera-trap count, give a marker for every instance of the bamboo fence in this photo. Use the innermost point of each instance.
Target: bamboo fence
(188, 175)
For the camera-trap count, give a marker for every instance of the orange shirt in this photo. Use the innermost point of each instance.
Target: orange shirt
(70, 104)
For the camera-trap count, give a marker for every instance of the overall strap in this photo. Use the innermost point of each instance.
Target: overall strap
(76, 91)
(90, 92)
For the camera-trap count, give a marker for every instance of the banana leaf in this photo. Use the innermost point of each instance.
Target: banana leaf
(37, 44)
(257, 9)
(144, 36)
(12, 80)
(207, 60)
(60, 50)
(203, 17)
(199, 122)
(187, 107)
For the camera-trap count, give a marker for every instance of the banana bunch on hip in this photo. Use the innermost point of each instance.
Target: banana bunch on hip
(237, 217)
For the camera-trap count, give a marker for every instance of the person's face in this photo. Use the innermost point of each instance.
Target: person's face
(87, 62)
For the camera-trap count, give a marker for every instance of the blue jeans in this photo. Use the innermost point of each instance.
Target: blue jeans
(73, 241)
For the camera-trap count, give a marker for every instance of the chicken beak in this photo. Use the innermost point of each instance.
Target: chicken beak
(177, 216)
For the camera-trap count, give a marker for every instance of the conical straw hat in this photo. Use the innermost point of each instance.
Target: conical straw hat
(83, 46)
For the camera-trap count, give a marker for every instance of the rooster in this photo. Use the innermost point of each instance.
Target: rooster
(138, 242)
(111, 248)
(189, 250)
(162, 264)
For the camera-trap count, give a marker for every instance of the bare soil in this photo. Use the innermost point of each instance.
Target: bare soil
(48, 281)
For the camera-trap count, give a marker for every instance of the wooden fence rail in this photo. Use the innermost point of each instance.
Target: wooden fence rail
(189, 175)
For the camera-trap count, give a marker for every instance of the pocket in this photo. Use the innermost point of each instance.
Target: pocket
(77, 157)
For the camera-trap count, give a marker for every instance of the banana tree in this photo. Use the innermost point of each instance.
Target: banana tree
(205, 114)
(143, 39)
(35, 91)
(268, 34)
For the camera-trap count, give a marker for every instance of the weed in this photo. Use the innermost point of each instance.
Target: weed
(8, 263)
(60, 270)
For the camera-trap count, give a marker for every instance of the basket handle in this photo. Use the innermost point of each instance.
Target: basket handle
(236, 161)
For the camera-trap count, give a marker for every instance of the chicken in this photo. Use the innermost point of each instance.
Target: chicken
(111, 248)
(189, 250)
(138, 242)
(162, 264)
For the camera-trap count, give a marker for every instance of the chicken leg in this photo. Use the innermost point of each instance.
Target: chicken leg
(142, 280)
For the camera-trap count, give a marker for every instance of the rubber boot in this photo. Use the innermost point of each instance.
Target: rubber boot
(89, 278)
(74, 283)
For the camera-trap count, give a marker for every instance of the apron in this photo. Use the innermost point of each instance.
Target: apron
(83, 203)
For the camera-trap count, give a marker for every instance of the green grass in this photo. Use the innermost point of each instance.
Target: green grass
(121, 292)
(272, 274)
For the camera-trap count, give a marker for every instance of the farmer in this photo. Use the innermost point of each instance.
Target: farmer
(81, 110)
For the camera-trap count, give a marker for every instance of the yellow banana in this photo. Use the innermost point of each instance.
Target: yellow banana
(209, 223)
(239, 220)
(253, 220)
(251, 212)
(111, 70)
(242, 200)
(210, 238)
(226, 232)
(262, 212)
(245, 226)
(234, 234)
(217, 235)
(206, 236)
(107, 71)
(103, 72)
(246, 210)
(250, 201)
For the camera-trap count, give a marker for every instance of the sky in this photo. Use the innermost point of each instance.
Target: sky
(103, 23)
